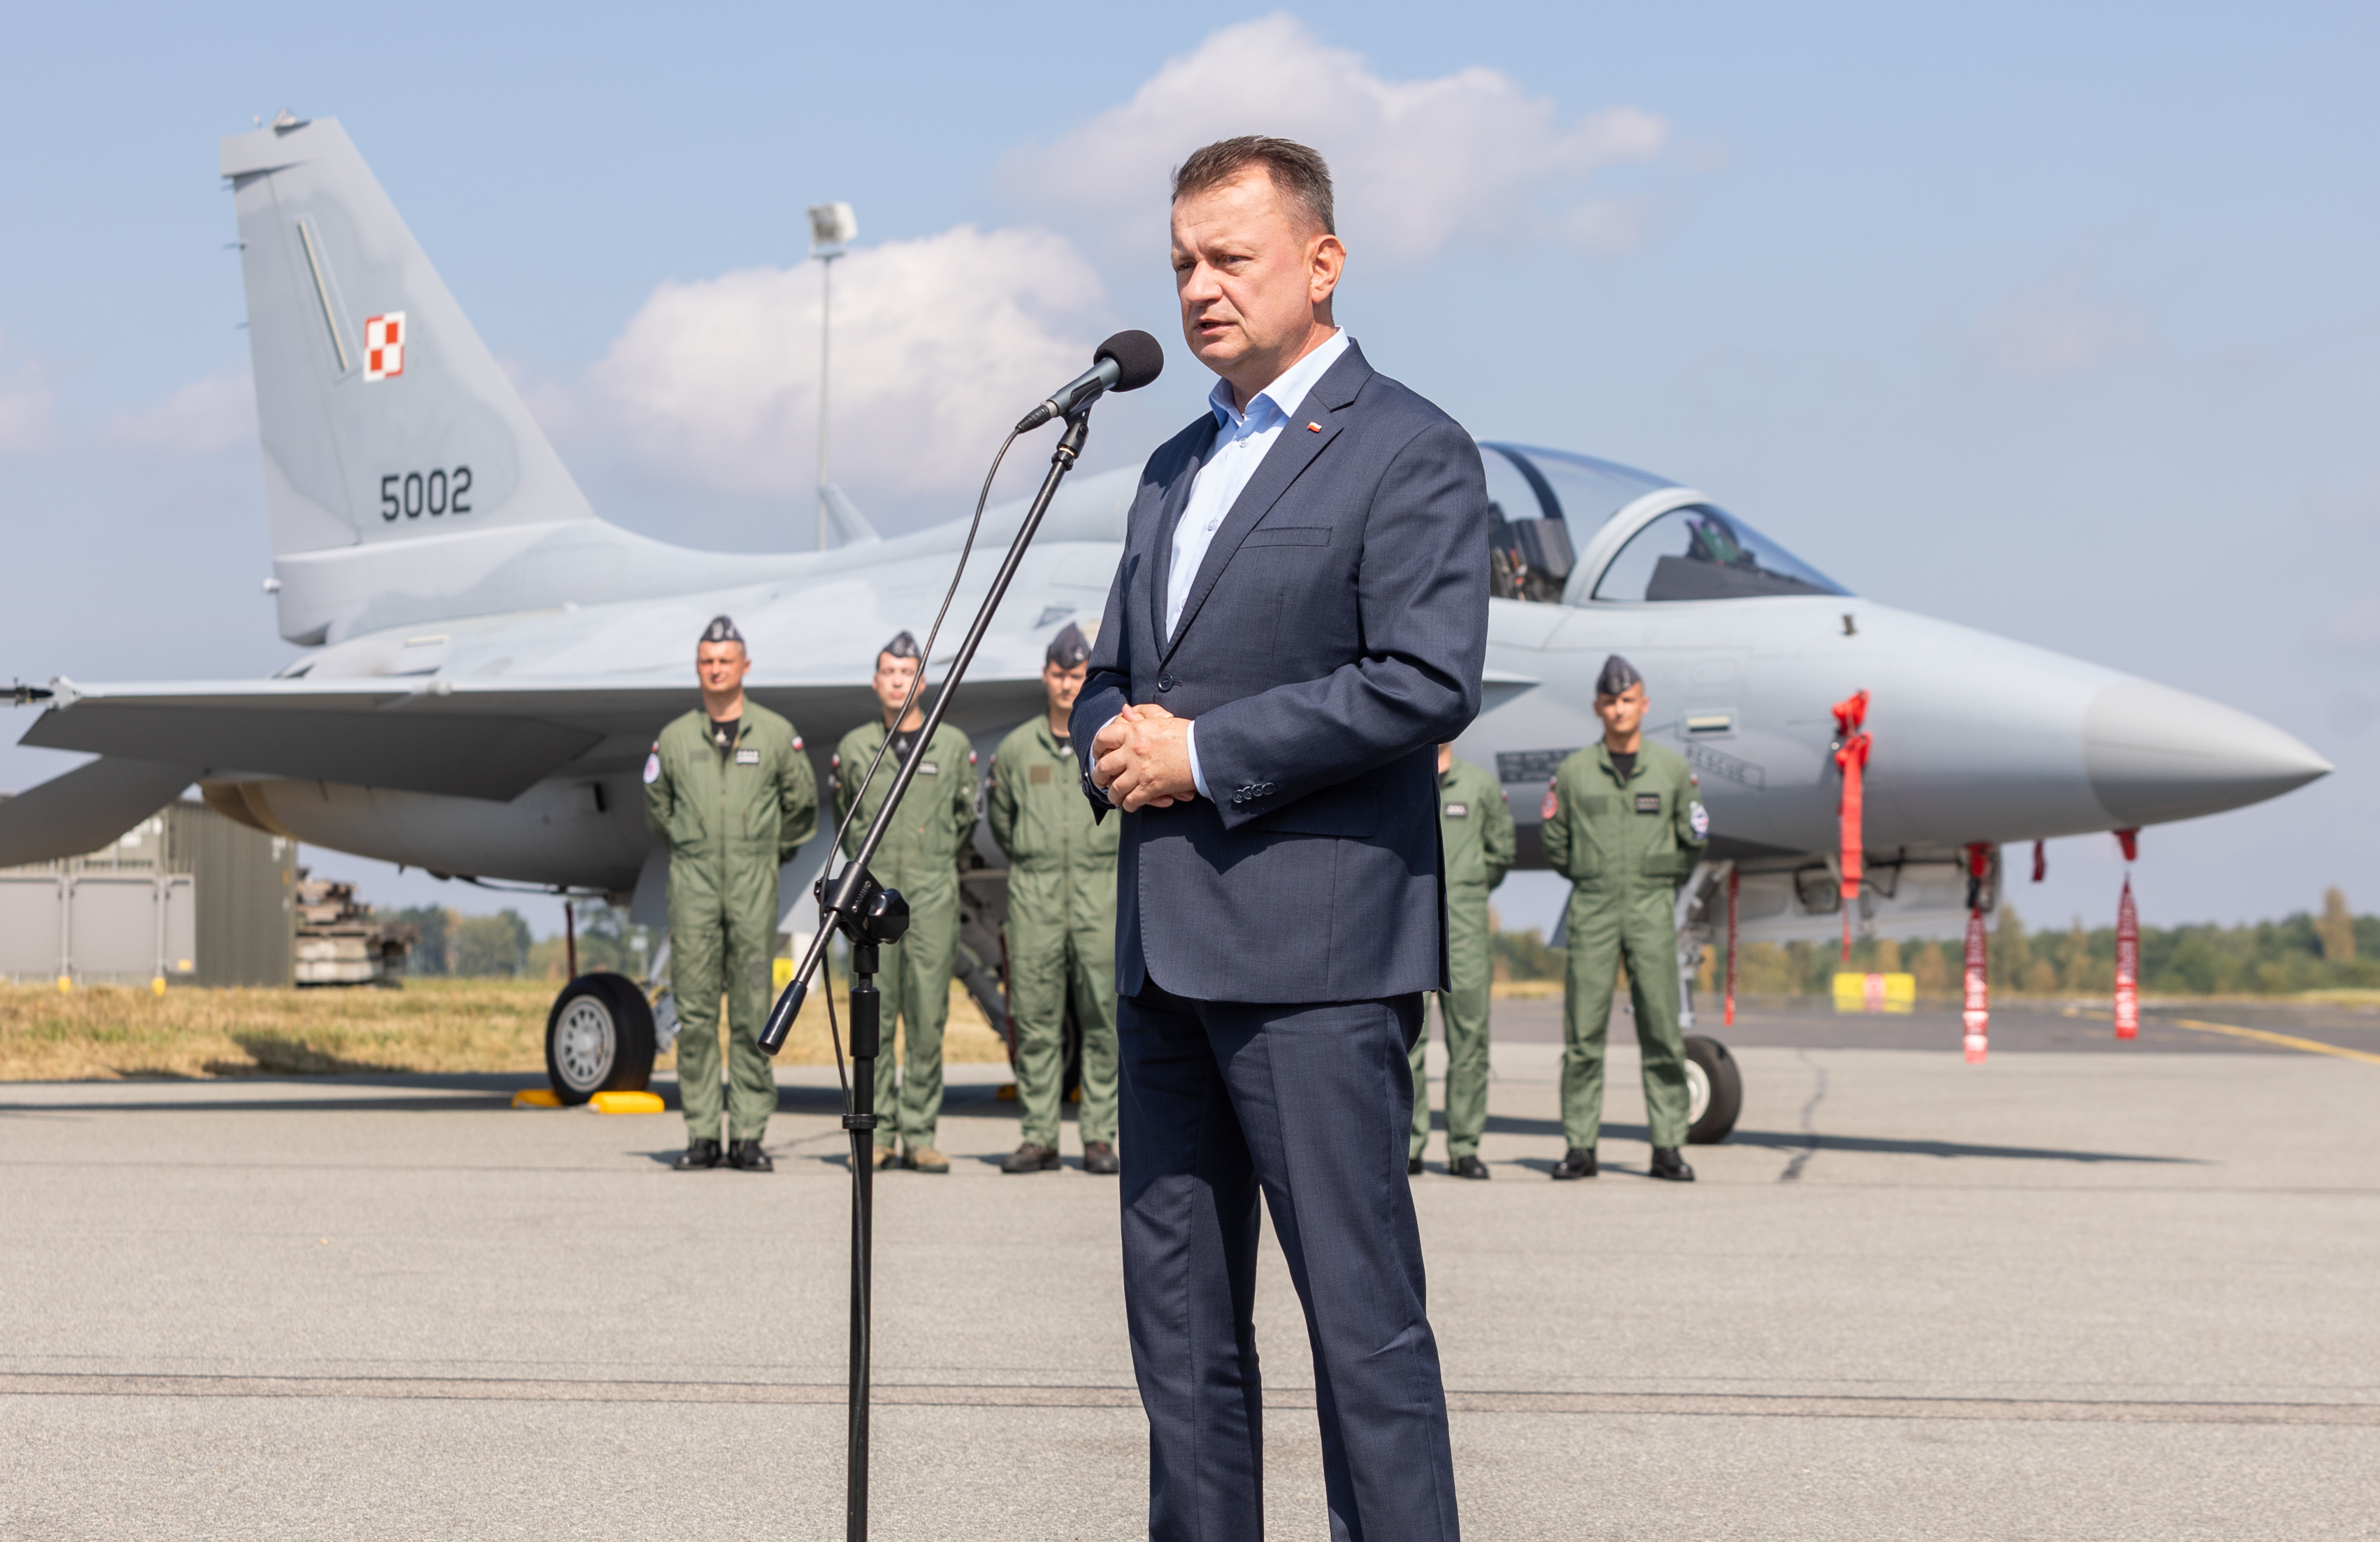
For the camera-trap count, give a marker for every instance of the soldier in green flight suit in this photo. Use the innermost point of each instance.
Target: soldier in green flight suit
(728, 786)
(919, 858)
(1062, 917)
(1475, 829)
(1624, 825)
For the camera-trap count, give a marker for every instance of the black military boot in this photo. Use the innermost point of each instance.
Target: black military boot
(1412, 1167)
(745, 1155)
(699, 1154)
(1668, 1164)
(1466, 1167)
(1577, 1162)
(1029, 1158)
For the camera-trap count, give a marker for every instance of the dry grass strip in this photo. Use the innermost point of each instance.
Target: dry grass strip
(103, 1033)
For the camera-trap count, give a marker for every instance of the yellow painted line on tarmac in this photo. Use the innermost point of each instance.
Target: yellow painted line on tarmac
(2287, 1041)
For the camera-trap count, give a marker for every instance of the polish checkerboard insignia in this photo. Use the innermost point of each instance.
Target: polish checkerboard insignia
(384, 345)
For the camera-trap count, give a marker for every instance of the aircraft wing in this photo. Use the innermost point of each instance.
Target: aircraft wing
(469, 739)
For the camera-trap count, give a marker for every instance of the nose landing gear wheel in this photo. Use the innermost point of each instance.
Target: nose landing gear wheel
(1714, 1091)
(599, 1037)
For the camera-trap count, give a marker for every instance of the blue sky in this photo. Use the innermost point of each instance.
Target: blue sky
(2063, 322)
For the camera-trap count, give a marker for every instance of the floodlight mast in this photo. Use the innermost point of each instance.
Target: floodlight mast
(832, 227)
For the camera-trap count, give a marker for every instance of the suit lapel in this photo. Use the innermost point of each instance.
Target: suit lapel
(1169, 514)
(1297, 448)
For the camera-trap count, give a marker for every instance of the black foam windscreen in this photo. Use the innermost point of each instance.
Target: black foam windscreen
(1138, 359)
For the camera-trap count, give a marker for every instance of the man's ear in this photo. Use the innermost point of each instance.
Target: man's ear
(1326, 259)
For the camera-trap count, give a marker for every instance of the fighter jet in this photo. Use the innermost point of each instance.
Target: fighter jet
(486, 662)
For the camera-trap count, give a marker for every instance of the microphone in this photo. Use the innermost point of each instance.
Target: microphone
(1125, 362)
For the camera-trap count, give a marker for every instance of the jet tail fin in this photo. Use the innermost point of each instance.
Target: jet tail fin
(386, 422)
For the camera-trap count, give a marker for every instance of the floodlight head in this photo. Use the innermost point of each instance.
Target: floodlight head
(831, 224)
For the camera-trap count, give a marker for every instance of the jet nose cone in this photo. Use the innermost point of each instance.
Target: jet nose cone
(2156, 754)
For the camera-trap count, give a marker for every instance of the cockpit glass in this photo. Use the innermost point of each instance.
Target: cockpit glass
(1701, 553)
(1548, 504)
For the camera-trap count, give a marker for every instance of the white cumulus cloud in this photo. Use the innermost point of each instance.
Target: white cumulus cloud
(936, 343)
(28, 419)
(2057, 331)
(205, 415)
(1417, 165)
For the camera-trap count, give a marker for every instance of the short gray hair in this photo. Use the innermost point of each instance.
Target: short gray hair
(1299, 175)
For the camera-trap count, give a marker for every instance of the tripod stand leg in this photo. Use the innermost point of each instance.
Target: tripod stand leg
(861, 1122)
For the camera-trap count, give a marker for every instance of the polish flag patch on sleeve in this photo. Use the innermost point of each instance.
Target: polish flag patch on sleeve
(384, 345)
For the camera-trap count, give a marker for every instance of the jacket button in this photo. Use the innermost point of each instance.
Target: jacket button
(1166, 681)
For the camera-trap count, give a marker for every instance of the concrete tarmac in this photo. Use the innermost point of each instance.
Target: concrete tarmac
(2091, 1293)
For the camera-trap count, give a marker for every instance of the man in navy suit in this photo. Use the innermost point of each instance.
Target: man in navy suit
(1299, 620)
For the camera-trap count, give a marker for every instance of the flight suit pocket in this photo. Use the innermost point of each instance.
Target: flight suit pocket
(1585, 816)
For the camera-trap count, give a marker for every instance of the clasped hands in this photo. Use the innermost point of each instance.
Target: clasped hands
(1141, 760)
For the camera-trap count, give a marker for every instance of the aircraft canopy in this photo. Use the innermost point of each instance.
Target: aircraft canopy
(1550, 503)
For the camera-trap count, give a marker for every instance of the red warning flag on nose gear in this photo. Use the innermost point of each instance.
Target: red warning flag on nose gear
(1977, 1017)
(1851, 755)
(2128, 947)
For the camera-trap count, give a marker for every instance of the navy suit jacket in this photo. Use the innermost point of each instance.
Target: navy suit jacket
(1333, 637)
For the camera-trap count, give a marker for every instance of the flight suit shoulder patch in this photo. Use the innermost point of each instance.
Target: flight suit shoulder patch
(1648, 803)
(1552, 806)
(1698, 820)
(653, 764)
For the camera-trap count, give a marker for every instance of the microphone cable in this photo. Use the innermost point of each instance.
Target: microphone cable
(926, 655)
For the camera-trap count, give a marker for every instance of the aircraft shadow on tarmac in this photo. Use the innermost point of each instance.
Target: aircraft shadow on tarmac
(977, 1101)
(1804, 1142)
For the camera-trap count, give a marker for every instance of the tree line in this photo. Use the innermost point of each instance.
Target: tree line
(2329, 950)
(501, 946)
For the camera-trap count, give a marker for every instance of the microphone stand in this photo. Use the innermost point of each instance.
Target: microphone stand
(871, 916)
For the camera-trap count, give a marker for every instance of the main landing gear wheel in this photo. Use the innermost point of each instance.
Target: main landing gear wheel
(599, 1037)
(1714, 1091)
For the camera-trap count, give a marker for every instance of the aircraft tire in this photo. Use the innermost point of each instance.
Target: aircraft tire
(599, 1037)
(1715, 1090)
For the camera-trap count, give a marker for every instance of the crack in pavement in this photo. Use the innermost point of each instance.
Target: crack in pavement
(1809, 1120)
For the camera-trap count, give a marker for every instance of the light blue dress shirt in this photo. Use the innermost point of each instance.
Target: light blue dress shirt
(1242, 441)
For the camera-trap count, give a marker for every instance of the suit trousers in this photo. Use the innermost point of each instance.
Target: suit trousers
(1309, 1105)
